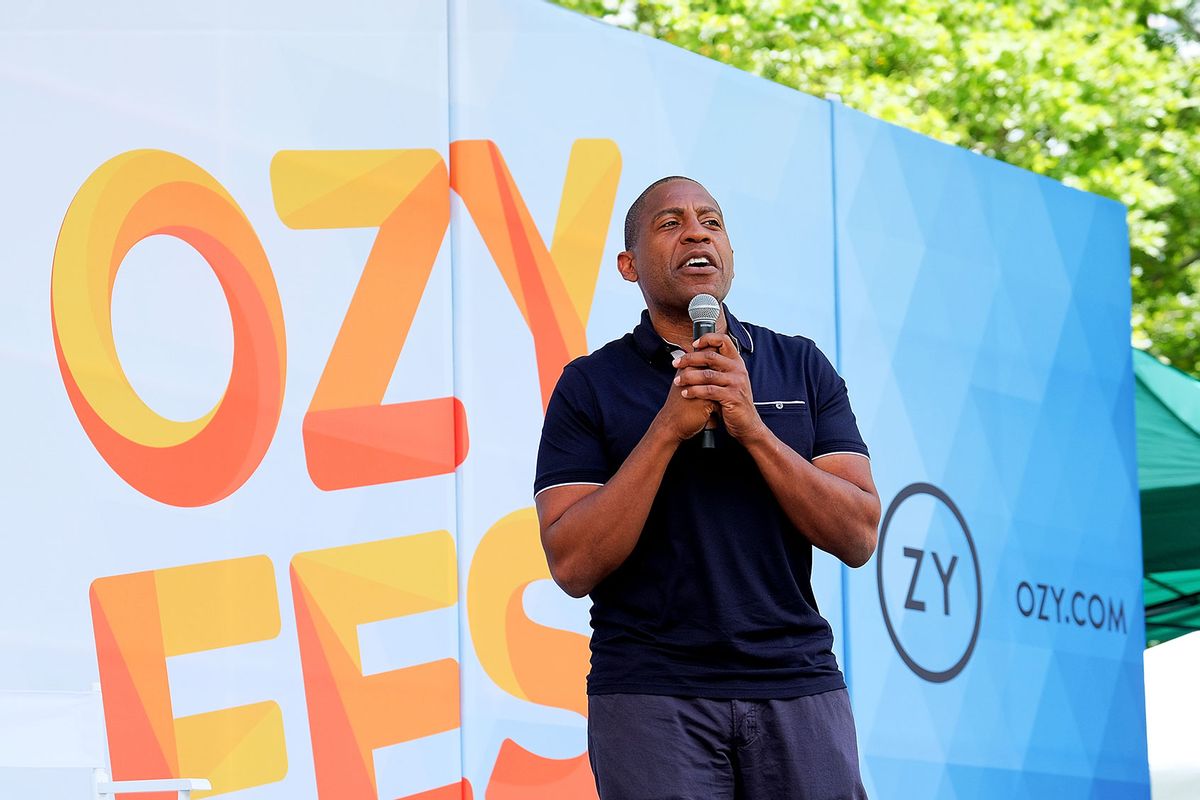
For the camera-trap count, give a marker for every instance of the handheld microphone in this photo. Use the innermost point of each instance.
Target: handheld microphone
(704, 311)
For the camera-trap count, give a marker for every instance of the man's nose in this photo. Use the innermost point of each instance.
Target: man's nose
(694, 231)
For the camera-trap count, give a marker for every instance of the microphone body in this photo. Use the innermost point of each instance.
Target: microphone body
(704, 310)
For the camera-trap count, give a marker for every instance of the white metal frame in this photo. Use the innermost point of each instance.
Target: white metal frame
(65, 730)
(107, 789)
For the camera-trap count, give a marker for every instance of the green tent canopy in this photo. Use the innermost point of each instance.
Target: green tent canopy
(1168, 441)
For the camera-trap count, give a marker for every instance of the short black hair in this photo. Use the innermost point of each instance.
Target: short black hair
(632, 217)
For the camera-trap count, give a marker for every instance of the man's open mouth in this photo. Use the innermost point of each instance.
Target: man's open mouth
(698, 264)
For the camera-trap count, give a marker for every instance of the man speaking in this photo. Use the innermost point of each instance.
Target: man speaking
(712, 670)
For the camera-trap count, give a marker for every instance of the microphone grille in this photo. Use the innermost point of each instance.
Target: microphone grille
(704, 308)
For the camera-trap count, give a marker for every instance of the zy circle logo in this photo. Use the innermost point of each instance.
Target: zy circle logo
(930, 591)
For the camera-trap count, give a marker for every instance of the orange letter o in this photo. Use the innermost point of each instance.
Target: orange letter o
(139, 194)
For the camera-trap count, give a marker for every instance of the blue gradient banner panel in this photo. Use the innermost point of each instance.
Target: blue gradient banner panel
(996, 638)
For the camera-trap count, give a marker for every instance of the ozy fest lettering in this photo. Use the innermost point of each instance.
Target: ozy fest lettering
(143, 618)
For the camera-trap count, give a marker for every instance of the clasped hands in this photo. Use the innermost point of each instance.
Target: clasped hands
(712, 379)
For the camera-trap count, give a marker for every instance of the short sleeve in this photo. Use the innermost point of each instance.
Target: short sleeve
(835, 430)
(572, 445)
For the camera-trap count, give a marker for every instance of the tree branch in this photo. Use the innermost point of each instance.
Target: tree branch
(1187, 262)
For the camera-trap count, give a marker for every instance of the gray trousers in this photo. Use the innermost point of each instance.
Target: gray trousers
(647, 747)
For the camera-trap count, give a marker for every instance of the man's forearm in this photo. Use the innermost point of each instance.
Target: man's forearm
(834, 514)
(597, 533)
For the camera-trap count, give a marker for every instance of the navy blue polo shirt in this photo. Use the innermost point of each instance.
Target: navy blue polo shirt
(716, 598)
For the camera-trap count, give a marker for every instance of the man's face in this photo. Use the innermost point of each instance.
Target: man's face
(682, 249)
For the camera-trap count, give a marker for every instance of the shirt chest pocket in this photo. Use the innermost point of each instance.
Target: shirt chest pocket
(790, 421)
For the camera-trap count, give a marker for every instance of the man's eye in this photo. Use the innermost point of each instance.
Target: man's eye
(714, 222)
(669, 223)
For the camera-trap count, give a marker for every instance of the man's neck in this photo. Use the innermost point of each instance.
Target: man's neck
(678, 329)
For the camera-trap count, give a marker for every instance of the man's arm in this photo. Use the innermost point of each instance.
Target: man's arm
(833, 501)
(589, 531)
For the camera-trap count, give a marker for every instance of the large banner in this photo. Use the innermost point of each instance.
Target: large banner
(994, 639)
(288, 286)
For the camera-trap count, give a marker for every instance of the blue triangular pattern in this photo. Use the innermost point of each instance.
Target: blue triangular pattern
(1071, 223)
(903, 778)
(988, 339)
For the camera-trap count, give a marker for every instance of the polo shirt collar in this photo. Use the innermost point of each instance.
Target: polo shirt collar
(738, 332)
(652, 347)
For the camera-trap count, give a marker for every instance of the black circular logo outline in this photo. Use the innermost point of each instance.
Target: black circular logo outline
(929, 675)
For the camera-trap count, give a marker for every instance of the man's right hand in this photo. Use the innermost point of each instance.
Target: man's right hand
(683, 417)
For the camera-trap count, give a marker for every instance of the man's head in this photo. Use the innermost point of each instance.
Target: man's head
(676, 246)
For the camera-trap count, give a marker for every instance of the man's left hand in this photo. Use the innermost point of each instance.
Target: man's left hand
(715, 371)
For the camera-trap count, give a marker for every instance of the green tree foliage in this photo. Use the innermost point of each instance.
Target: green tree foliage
(1100, 94)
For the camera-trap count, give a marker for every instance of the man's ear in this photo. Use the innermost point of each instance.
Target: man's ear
(625, 266)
